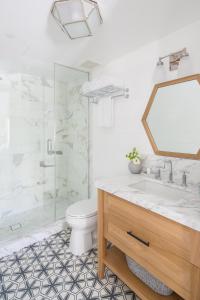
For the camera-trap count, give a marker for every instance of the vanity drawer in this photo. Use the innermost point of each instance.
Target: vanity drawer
(159, 231)
(161, 246)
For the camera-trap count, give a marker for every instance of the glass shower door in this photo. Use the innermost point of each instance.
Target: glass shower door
(71, 138)
(25, 185)
(43, 146)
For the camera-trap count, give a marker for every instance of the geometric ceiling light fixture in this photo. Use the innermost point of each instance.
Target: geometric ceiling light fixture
(77, 18)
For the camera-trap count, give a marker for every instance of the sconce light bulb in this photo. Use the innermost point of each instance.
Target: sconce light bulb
(160, 63)
(185, 66)
(159, 74)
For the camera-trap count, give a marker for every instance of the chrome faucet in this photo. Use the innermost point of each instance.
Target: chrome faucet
(171, 180)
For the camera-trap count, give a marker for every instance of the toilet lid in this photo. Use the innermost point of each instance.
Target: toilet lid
(83, 208)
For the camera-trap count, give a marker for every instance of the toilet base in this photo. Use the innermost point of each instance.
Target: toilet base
(80, 241)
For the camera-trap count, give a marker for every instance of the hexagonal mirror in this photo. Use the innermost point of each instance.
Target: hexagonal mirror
(172, 118)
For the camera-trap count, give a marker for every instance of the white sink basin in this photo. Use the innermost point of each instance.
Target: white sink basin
(158, 189)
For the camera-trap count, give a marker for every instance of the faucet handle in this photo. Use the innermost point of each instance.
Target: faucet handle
(160, 164)
(167, 160)
(158, 173)
(184, 172)
(184, 177)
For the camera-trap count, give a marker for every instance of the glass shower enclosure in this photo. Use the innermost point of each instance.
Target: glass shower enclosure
(43, 147)
(70, 139)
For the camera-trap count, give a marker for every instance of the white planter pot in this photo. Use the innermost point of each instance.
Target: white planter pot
(135, 169)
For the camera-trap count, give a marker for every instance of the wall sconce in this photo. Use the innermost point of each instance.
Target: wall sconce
(179, 60)
(174, 59)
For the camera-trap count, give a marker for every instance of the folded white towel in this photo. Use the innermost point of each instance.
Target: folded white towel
(105, 112)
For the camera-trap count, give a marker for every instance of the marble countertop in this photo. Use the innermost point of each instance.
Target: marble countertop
(185, 210)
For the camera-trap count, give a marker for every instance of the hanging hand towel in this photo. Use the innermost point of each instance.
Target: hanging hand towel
(105, 112)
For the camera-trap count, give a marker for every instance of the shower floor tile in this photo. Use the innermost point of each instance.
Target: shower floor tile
(47, 270)
(24, 238)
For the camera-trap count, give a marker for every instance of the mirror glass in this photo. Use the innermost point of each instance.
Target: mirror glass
(173, 118)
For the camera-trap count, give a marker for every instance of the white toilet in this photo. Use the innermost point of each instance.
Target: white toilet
(82, 218)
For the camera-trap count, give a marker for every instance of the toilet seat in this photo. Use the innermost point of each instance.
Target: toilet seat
(82, 209)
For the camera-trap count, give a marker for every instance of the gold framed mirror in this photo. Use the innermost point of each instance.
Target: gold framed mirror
(172, 118)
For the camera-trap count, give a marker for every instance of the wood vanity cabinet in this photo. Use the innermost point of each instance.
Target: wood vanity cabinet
(168, 250)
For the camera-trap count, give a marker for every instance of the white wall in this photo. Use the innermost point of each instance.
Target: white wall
(136, 70)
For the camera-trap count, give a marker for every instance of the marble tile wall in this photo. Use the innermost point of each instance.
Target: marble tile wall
(191, 167)
(28, 118)
(72, 139)
(21, 145)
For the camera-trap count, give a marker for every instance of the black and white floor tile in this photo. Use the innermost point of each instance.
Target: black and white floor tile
(47, 270)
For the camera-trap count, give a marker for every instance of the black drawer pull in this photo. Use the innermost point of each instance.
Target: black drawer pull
(137, 238)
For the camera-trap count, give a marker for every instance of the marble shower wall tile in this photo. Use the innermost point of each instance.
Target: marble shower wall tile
(72, 139)
(22, 145)
(28, 118)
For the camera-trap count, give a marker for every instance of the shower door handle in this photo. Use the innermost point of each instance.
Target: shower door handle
(49, 146)
(43, 165)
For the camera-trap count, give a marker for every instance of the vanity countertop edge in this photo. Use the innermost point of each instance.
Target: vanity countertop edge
(184, 211)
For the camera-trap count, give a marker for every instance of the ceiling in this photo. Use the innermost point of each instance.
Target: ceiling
(28, 33)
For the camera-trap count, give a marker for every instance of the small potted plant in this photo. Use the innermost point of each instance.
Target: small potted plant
(135, 164)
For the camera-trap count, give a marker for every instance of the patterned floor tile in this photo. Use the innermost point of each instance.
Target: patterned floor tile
(47, 270)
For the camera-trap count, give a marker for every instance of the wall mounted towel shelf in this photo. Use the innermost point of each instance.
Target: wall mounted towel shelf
(106, 91)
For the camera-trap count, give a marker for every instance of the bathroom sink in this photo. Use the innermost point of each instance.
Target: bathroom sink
(158, 189)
